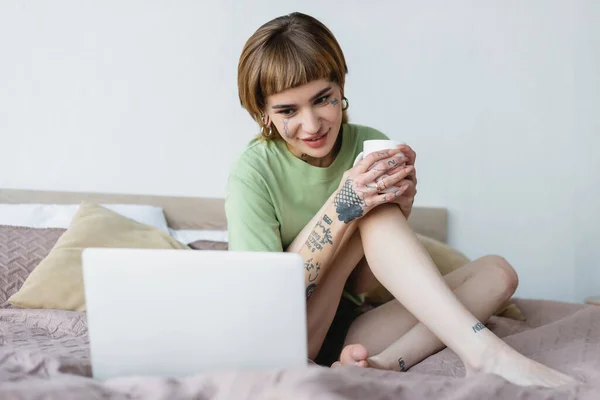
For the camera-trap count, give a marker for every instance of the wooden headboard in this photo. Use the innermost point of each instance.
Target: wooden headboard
(201, 212)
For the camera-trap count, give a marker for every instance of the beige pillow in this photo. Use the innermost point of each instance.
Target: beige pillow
(57, 282)
(447, 259)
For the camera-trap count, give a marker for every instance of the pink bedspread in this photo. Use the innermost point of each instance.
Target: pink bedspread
(44, 354)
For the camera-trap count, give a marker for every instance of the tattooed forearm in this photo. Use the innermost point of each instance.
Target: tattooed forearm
(309, 290)
(402, 364)
(320, 236)
(478, 327)
(313, 269)
(326, 237)
(313, 242)
(347, 203)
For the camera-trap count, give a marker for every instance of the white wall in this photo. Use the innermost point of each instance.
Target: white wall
(499, 99)
(587, 178)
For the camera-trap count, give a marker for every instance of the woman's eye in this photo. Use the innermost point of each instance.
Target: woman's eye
(286, 112)
(322, 100)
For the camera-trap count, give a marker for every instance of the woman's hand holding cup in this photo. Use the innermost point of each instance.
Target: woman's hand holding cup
(372, 181)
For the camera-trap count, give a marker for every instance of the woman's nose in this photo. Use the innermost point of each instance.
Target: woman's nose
(311, 123)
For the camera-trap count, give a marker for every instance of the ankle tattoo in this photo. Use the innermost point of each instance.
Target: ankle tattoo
(402, 364)
(478, 327)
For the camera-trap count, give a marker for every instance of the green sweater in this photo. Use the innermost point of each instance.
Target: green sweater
(272, 195)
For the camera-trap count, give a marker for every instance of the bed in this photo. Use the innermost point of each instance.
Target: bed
(44, 353)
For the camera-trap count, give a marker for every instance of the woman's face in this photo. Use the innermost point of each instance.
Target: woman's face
(308, 117)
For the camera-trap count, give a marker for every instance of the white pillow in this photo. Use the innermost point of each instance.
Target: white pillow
(187, 236)
(61, 215)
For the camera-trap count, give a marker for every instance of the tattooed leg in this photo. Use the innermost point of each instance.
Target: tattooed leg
(403, 266)
(482, 286)
(401, 365)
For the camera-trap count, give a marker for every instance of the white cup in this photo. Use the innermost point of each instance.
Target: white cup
(371, 146)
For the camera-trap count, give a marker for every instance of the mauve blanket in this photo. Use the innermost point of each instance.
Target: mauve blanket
(45, 354)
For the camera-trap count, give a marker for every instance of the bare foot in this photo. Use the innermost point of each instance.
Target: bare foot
(358, 355)
(503, 361)
(520, 370)
(353, 354)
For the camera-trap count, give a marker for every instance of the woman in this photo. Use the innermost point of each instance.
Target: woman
(294, 189)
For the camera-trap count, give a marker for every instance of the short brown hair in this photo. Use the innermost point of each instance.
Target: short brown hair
(286, 52)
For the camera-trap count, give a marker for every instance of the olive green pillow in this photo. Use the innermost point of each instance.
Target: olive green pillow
(57, 282)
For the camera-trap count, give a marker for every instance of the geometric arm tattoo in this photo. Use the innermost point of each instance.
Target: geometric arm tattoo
(347, 203)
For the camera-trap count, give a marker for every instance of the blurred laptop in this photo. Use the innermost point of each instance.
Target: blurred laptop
(175, 313)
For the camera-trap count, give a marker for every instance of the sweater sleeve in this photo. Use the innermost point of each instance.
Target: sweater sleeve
(252, 222)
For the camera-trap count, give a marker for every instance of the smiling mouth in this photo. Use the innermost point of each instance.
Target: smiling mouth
(317, 138)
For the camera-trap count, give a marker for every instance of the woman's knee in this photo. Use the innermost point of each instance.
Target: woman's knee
(506, 276)
(385, 210)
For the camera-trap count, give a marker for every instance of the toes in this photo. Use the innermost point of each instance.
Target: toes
(359, 352)
(354, 353)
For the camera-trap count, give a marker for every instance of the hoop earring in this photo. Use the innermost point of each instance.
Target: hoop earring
(262, 131)
(345, 107)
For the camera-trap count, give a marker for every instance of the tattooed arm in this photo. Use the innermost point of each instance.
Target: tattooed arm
(320, 245)
(358, 193)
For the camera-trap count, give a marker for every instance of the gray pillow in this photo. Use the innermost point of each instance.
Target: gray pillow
(21, 250)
